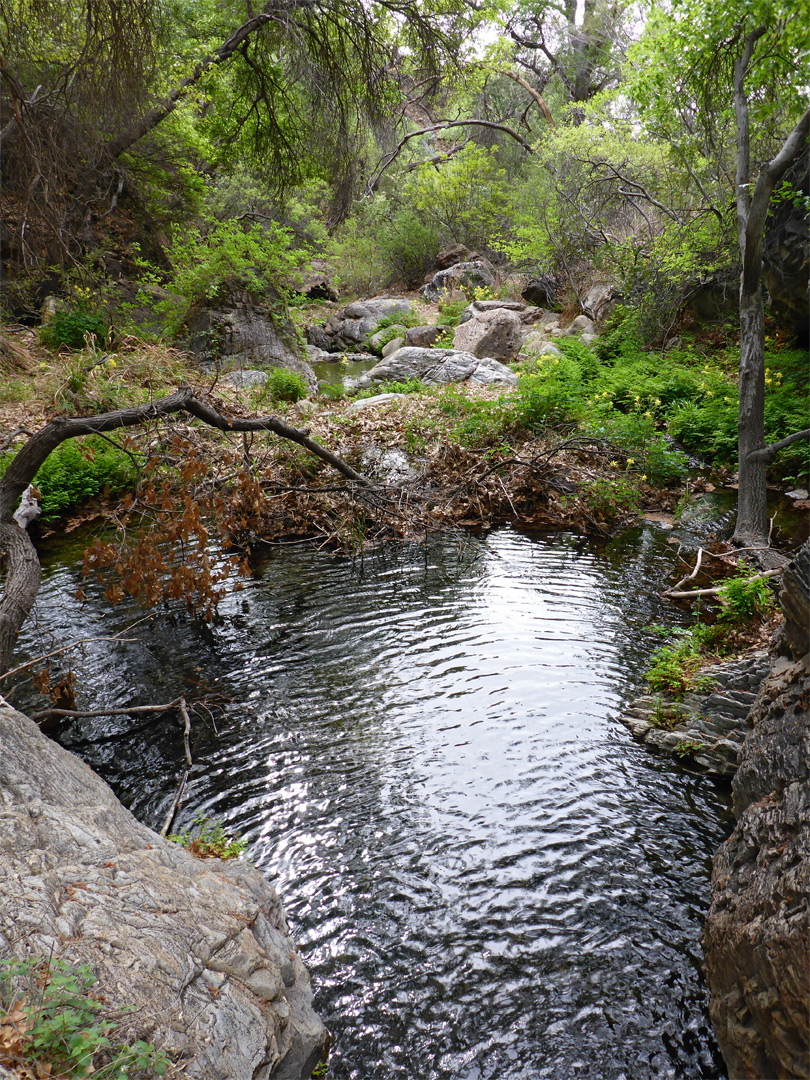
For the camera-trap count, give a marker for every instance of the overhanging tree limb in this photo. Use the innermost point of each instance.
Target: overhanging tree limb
(442, 125)
(17, 552)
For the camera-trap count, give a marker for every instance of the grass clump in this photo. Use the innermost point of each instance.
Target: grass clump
(51, 1025)
(285, 385)
(745, 597)
(78, 471)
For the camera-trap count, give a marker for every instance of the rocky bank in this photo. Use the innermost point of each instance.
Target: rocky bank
(757, 937)
(198, 950)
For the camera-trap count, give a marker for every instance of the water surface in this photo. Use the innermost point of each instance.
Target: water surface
(488, 879)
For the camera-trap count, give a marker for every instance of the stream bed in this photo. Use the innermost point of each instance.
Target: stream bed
(488, 879)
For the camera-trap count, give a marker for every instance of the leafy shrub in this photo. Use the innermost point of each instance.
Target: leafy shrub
(285, 385)
(52, 1025)
(210, 840)
(70, 327)
(745, 597)
(78, 471)
(550, 391)
(606, 496)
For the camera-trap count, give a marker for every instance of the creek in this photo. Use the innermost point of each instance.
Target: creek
(488, 879)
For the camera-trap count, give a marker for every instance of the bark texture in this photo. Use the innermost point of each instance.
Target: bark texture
(757, 938)
(200, 949)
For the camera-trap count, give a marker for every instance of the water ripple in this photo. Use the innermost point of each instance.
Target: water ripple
(488, 879)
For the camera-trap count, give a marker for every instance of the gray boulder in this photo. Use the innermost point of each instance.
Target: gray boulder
(581, 325)
(537, 344)
(453, 254)
(246, 379)
(424, 336)
(199, 951)
(377, 342)
(599, 301)
(542, 290)
(392, 345)
(251, 328)
(348, 330)
(463, 276)
(433, 366)
(495, 332)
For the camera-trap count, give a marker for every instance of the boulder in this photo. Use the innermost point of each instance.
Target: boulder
(437, 366)
(193, 956)
(464, 277)
(581, 325)
(392, 345)
(246, 379)
(348, 330)
(377, 342)
(537, 344)
(599, 301)
(456, 253)
(756, 942)
(542, 290)
(424, 336)
(252, 329)
(363, 404)
(497, 333)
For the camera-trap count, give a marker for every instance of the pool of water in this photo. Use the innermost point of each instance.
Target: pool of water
(488, 879)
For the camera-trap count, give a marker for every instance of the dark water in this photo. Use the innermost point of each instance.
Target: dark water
(486, 876)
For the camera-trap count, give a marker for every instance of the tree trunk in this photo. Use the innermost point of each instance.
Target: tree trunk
(752, 508)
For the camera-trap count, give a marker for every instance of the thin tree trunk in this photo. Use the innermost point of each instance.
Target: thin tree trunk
(752, 505)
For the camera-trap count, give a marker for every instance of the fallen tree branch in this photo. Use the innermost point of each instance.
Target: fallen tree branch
(689, 577)
(23, 571)
(46, 714)
(719, 589)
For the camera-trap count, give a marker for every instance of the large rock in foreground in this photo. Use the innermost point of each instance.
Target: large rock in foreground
(757, 938)
(199, 949)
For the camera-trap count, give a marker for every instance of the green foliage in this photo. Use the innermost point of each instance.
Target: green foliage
(59, 1025)
(262, 258)
(675, 668)
(80, 470)
(605, 497)
(745, 597)
(451, 311)
(477, 421)
(210, 841)
(467, 197)
(688, 747)
(285, 385)
(71, 328)
(408, 386)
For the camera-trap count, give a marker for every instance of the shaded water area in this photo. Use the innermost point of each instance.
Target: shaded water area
(488, 879)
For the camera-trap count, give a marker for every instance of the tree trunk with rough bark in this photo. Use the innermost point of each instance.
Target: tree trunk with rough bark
(752, 210)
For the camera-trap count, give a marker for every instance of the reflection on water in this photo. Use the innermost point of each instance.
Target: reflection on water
(487, 877)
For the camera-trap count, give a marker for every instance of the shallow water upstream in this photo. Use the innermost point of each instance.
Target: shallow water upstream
(486, 876)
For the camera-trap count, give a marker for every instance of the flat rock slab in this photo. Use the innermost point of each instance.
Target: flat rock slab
(199, 949)
(707, 727)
